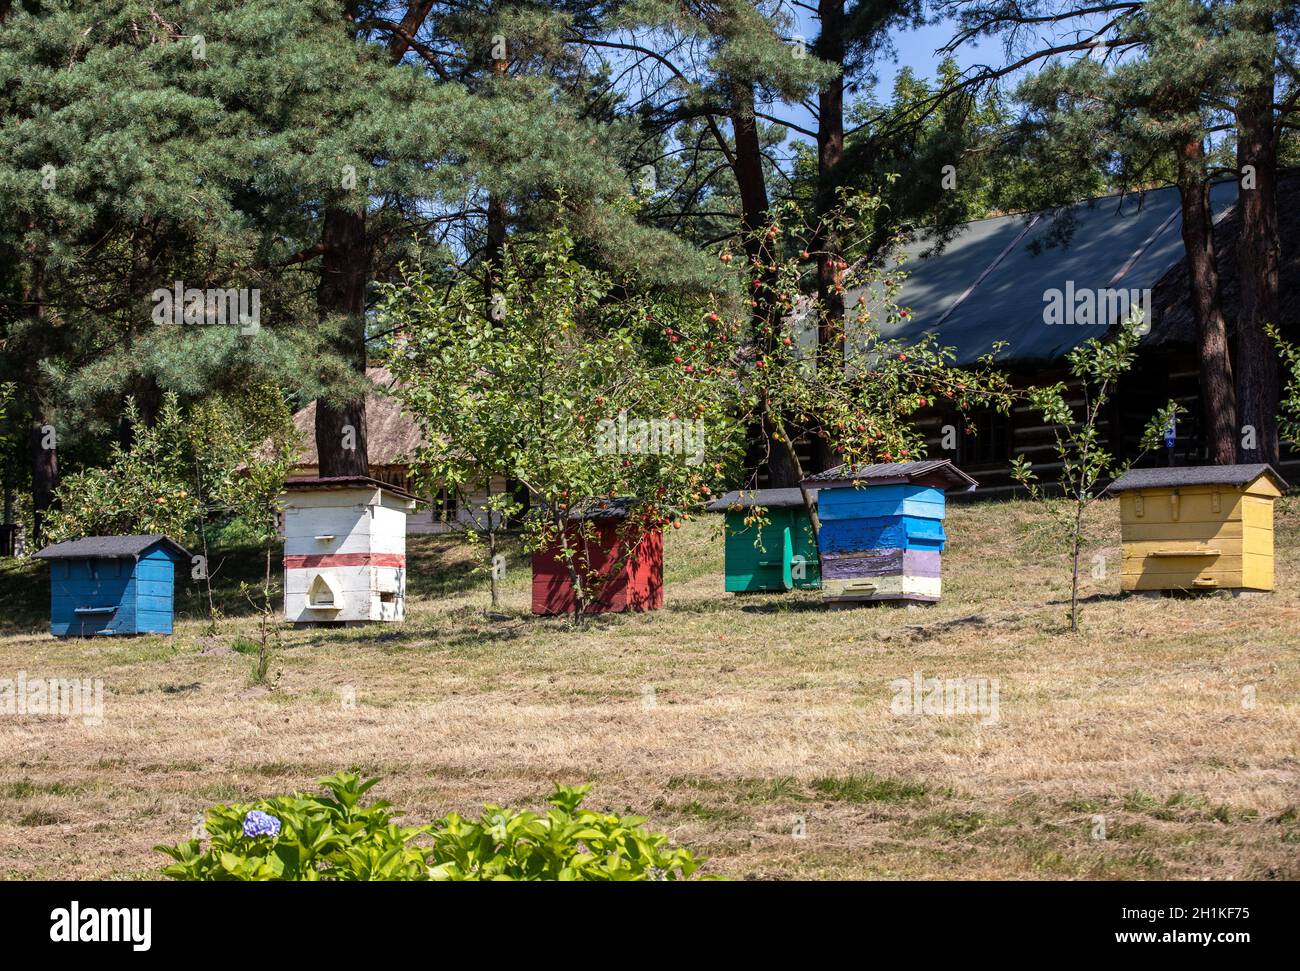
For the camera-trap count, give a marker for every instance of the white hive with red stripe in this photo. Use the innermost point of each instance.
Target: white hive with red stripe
(344, 550)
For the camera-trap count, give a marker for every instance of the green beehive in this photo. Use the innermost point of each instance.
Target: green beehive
(778, 556)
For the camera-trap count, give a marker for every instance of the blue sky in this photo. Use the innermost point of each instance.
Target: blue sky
(915, 49)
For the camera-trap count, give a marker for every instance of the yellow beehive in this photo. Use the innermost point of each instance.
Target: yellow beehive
(1198, 527)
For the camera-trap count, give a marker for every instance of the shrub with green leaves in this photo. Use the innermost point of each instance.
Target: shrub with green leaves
(334, 836)
(1288, 417)
(188, 465)
(338, 837)
(566, 843)
(1098, 365)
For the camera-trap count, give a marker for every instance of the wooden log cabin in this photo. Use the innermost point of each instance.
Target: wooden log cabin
(994, 280)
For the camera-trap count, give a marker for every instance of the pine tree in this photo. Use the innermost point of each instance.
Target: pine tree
(530, 153)
(1152, 86)
(707, 74)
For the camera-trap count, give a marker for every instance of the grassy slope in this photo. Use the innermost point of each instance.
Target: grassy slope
(766, 709)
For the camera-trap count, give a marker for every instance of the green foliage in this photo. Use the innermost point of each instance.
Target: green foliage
(334, 836)
(8, 436)
(148, 488)
(1157, 75)
(860, 390)
(696, 68)
(1098, 364)
(188, 465)
(536, 376)
(144, 146)
(1289, 405)
(338, 837)
(568, 842)
(947, 147)
(148, 144)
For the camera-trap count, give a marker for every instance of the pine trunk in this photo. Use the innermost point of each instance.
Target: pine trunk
(827, 246)
(496, 206)
(42, 440)
(345, 267)
(1219, 396)
(753, 217)
(1258, 251)
(45, 466)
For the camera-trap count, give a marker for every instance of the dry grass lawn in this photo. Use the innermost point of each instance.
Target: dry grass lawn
(728, 721)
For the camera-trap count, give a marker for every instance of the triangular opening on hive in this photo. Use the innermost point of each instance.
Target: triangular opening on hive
(322, 594)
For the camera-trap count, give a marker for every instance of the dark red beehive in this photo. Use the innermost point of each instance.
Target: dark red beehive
(639, 582)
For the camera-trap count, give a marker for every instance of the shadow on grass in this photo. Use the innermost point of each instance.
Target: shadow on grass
(776, 603)
(25, 589)
(1092, 598)
(231, 570)
(437, 566)
(24, 596)
(472, 629)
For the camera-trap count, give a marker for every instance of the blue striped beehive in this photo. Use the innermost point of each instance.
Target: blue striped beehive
(113, 585)
(882, 529)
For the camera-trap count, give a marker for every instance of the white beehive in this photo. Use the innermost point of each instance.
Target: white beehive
(344, 550)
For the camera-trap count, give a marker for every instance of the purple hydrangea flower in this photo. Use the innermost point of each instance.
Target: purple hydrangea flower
(258, 823)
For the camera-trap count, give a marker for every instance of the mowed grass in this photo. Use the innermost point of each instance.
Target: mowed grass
(758, 730)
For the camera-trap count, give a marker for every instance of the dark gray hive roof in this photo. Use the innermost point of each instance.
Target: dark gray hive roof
(108, 547)
(749, 498)
(619, 508)
(309, 483)
(938, 472)
(1195, 475)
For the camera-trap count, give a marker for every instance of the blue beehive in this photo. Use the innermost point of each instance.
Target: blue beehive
(882, 528)
(113, 585)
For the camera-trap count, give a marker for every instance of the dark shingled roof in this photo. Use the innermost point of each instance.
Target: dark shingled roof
(749, 498)
(345, 482)
(1175, 321)
(1194, 475)
(108, 547)
(619, 508)
(952, 478)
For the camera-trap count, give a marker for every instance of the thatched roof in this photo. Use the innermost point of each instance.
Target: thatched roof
(392, 437)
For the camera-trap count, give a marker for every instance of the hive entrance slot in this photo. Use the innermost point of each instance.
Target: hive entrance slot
(321, 594)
